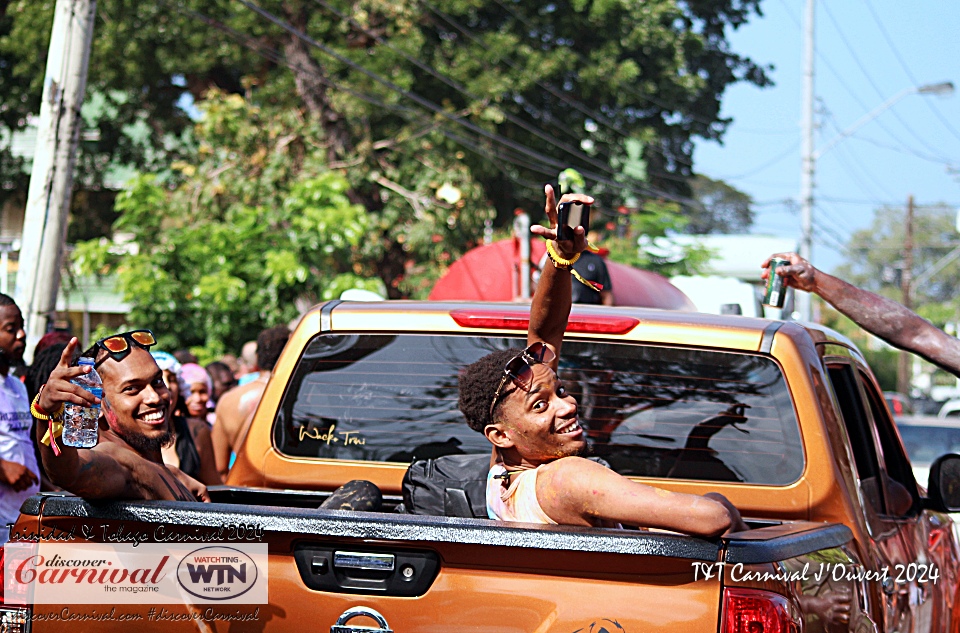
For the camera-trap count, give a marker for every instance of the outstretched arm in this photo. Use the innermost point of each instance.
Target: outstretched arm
(882, 317)
(551, 300)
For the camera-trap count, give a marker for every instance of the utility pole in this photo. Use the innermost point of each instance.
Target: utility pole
(904, 376)
(808, 165)
(51, 178)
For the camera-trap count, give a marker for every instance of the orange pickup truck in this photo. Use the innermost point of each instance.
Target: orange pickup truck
(843, 538)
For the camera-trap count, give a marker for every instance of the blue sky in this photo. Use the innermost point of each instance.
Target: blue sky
(861, 62)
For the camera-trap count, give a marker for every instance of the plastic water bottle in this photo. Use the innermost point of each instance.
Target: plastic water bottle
(80, 423)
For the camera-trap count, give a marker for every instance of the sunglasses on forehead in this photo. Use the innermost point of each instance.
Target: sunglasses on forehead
(519, 369)
(118, 346)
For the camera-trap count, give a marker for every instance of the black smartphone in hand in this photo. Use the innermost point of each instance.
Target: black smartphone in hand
(571, 215)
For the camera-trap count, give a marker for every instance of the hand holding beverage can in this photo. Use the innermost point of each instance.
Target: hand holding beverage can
(776, 290)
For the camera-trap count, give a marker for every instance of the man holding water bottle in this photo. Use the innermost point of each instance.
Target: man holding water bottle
(135, 422)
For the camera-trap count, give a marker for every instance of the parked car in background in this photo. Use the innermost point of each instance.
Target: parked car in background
(899, 403)
(926, 438)
(950, 409)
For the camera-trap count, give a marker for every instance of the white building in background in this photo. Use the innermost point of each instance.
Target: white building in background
(733, 275)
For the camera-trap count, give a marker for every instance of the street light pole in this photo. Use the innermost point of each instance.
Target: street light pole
(906, 277)
(811, 156)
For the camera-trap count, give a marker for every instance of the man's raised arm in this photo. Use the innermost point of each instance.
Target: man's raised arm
(551, 300)
(882, 317)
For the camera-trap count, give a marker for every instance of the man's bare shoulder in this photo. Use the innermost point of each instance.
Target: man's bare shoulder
(567, 470)
(232, 401)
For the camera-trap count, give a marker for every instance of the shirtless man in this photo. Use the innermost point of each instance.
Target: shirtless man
(134, 424)
(236, 408)
(515, 398)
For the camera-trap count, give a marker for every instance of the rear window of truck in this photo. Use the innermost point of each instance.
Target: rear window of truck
(649, 411)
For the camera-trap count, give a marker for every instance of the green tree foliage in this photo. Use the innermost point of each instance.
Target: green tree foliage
(431, 111)
(523, 89)
(719, 208)
(876, 258)
(643, 239)
(253, 228)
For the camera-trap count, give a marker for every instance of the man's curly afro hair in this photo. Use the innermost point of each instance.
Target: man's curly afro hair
(478, 382)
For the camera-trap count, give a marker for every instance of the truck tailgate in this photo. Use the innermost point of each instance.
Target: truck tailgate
(486, 576)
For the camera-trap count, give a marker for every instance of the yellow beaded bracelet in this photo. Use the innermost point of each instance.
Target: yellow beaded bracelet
(557, 260)
(36, 411)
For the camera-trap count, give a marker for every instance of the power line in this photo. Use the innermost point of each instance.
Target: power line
(544, 161)
(863, 69)
(275, 56)
(896, 53)
(840, 154)
(769, 163)
(466, 92)
(598, 117)
(906, 151)
(843, 83)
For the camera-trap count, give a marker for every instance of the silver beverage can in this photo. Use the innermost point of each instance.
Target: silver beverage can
(776, 291)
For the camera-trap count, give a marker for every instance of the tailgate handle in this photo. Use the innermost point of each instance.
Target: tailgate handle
(353, 612)
(364, 560)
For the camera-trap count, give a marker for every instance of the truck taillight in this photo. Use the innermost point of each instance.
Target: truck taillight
(12, 619)
(756, 611)
(513, 320)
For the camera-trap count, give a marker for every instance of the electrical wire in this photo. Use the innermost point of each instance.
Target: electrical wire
(627, 87)
(896, 53)
(595, 116)
(906, 151)
(842, 81)
(275, 56)
(466, 92)
(545, 161)
(769, 163)
(841, 156)
(876, 88)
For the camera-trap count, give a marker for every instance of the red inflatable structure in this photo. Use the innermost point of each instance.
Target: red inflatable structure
(491, 273)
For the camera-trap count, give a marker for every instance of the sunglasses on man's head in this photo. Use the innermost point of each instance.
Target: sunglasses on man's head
(118, 346)
(519, 369)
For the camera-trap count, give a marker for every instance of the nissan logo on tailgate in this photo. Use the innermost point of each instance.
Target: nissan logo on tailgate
(217, 573)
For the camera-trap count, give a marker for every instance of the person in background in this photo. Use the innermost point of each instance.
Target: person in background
(249, 368)
(196, 395)
(191, 449)
(223, 381)
(57, 337)
(235, 410)
(591, 267)
(19, 471)
(232, 363)
(185, 356)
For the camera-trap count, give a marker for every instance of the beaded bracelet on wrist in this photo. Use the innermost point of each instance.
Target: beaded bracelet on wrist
(567, 264)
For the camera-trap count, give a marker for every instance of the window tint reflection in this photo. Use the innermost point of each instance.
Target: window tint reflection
(649, 411)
